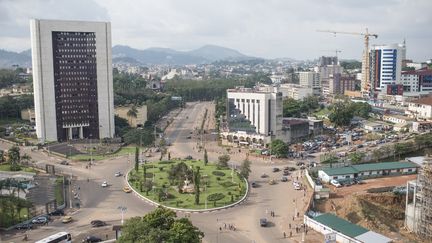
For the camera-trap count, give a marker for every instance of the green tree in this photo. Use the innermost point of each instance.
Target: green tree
(245, 168)
(223, 160)
(136, 158)
(132, 113)
(291, 108)
(1, 156)
(356, 157)
(143, 136)
(197, 182)
(160, 225)
(205, 157)
(279, 148)
(341, 114)
(361, 109)
(14, 158)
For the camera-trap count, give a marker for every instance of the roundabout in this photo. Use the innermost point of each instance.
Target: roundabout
(188, 185)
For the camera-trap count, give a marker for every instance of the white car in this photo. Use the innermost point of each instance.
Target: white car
(297, 187)
(118, 174)
(335, 183)
(104, 184)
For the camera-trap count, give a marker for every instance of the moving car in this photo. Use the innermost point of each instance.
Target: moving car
(263, 222)
(64, 162)
(40, 220)
(66, 219)
(58, 212)
(90, 239)
(254, 184)
(275, 169)
(127, 189)
(189, 157)
(104, 184)
(98, 223)
(264, 175)
(118, 174)
(25, 226)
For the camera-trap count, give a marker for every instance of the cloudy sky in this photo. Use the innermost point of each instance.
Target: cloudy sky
(263, 28)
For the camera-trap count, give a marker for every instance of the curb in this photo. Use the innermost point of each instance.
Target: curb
(151, 202)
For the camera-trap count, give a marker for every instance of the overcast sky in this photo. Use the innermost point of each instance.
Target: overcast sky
(263, 28)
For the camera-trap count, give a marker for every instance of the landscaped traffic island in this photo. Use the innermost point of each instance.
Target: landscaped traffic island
(188, 184)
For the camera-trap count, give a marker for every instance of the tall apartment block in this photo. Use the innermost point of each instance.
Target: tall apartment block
(385, 66)
(72, 79)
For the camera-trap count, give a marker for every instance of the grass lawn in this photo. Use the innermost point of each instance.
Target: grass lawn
(233, 189)
(9, 218)
(10, 121)
(6, 167)
(323, 112)
(59, 191)
(87, 157)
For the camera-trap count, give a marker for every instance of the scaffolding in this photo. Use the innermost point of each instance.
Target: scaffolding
(424, 195)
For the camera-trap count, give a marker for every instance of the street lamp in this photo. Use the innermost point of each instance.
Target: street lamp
(122, 210)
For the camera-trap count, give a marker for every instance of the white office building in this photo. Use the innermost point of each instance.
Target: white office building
(295, 91)
(72, 79)
(262, 108)
(386, 65)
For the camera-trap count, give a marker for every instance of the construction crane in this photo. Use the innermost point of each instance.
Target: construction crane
(366, 35)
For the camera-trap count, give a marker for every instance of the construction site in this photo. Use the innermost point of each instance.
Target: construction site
(418, 212)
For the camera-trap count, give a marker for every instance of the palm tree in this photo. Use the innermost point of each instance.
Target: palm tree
(132, 113)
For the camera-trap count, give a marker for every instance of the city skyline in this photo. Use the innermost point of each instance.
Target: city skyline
(272, 29)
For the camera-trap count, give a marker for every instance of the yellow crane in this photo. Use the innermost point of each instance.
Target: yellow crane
(366, 35)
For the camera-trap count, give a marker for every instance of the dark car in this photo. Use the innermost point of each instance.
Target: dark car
(90, 239)
(299, 163)
(99, 223)
(263, 222)
(96, 221)
(284, 179)
(290, 168)
(64, 162)
(25, 226)
(57, 212)
(286, 173)
(254, 184)
(275, 169)
(188, 157)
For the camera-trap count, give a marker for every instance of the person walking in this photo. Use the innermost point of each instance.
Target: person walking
(284, 235)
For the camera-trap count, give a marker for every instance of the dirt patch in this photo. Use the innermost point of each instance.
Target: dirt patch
(380, 212)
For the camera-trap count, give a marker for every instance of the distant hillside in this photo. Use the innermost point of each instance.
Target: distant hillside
(205, 54)
(9, 58)
(155, 55)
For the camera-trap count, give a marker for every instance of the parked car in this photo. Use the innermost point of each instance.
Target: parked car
(272, 182)
(335, 183)
(284, 179)
(275, 169)
(64, 162)
(127, 189)
(104, 184)
(58, 212)
(297, 187)
(299, 163)
(264, 175)
(40, 220)
(189, 157)
(25, 226)
(118, 174)
(188, 137)
(90, 239)
(286, 173)
(66, 219)
(290, 168)
(263, 222)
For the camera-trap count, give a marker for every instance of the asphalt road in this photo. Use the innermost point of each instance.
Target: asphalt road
(102, 203)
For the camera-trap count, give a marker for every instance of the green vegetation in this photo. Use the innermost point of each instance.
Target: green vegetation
(9, 77)
(167, 180)
(223, 161)
(87, 157)
(342, 112)
(58, 191)
(193, 90)
(347, 65)
(7, 167)
(245, 168)
(279, 148)
(160, 225)
(11, 106)
(295, 108)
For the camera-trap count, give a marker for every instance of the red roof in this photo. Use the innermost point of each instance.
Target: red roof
(424, 101)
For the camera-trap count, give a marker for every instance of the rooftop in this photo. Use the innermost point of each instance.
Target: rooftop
(368, 167)
(424, 101)
(341, 225)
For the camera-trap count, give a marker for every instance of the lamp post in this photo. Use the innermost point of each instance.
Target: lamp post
(122, 211)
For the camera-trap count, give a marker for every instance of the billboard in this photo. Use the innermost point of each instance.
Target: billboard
(395, 89)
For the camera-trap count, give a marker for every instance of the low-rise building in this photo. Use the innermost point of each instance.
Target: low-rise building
(28, 115)
(294, 129)
(422, 126)
(397, 119)
(373, 126)
(295, 91)
(365, 171)
(421, 108)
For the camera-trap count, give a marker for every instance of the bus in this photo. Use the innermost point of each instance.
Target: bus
(61, 237)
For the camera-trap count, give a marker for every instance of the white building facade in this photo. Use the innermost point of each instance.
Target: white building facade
(72, 79)
(386, 65)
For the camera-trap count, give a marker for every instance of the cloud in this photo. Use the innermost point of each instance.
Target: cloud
(271, 28)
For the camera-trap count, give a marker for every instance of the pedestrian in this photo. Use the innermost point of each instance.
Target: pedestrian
(290, 226)
(220, 228)
(293, 218)
(298, 214)
(284, 235)
(224, 225)
(290, 234)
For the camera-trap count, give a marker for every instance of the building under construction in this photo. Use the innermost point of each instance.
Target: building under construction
(418, 211)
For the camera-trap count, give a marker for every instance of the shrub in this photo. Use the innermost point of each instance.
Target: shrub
(227, 184)
(166, 162)
(218, 173)
(218, 178)
(149, 175)
(215, 196)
